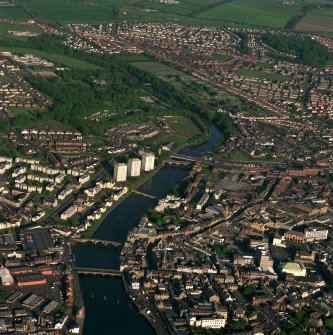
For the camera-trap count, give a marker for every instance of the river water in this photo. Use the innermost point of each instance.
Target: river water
(108, 309)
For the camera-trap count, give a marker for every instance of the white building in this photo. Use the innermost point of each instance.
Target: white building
(84, 178)
(148, 162)
(315, 234)
(135, 285)
(120, 172)
(68, 213)
(213, 323)
(202, 202)
(6, 277)
(134, 167)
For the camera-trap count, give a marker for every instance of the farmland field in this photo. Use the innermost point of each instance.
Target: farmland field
(182, 9)
(270, 13)
(94, 11)
(14, 13)
(323, 11)
(316, 22)
(56, 58)
(265, 13)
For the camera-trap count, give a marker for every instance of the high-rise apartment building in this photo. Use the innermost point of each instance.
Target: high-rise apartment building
(120, 172)
(148, 162)
(134, 167)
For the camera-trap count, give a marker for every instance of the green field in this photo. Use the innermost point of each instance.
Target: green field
(4, 28)
(56, 58)
(263, 75)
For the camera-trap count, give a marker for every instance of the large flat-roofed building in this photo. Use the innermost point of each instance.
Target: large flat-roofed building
(148, 162)
(32, 301)
(134, 167)
(37, 239)
(7, 242)
(30, 279)
(50, 307)
(120, 172)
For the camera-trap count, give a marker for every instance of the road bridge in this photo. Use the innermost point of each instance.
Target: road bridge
(179, 162)
(185, 158)
(98, 272)
(96, 241)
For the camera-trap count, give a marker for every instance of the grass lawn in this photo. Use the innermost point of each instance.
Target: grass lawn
(23, 112)
(56, 58)
(240, 156)
(177, 139)
(263, 65)
(5, 80)
(221, 58)
(263, 75)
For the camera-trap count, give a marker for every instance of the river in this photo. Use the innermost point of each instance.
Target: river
(108, 309)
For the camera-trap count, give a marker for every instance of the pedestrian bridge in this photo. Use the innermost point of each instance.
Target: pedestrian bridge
(144, 194)
(96, 241)
(98, 272)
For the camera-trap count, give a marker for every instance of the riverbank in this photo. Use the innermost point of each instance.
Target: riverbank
(92, 229)
(114, 316)
(157, 325)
